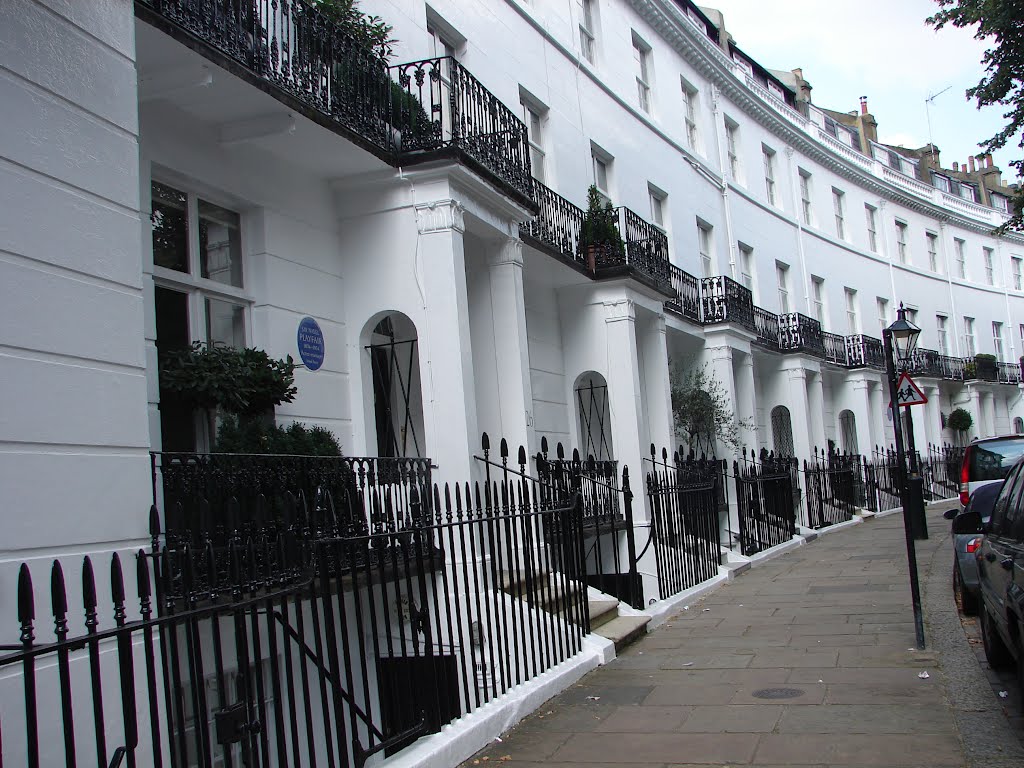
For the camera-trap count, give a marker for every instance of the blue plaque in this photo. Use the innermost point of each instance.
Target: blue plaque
(310, 340)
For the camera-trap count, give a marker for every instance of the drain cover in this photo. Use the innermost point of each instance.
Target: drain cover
(777, 693)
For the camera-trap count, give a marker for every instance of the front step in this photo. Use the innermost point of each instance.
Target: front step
(602, 610)
(623, 630)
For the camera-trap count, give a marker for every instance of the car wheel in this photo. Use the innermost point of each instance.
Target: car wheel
(967, 602)
(996, 652)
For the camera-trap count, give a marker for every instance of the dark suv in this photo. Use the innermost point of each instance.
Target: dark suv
(1000, 561)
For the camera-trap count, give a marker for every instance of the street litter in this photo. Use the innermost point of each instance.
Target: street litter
(687, 664)
(923, 675)
(1003, 694)
(593, 698)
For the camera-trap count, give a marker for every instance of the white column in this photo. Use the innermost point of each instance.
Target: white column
(446, 359)
(860, 404)
(746, 400)
(932, 417)
(989, 411)
(624, 396)
(512, 353)
(815, 413)
(656, 384)
(721, 366)
(796, 402)
(881, 429)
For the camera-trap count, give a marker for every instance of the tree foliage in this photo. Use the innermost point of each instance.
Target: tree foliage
(960, 420)
(236, 435)
(700, 407)
(1002, 23)
(372, 31)
(247, 382)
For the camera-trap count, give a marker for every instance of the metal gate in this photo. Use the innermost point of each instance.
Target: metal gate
(834, 488)
(765, 500)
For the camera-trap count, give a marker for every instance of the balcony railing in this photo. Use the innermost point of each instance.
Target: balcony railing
(687, 290)
(404, 114)
(1009, 373)
(835, 348)
(927, 362)
(557, 224)
(726, 301)
(444, 107)
(645, 251)
(799, 333)
(864, 352)
(766, 326)
(953, 367)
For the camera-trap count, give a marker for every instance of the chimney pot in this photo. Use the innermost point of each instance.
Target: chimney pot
(863, 105)
(988, 161)
(956, 167)
(970, 161)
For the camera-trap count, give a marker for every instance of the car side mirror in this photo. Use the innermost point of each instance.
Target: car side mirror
(951, 513)
(968, 522)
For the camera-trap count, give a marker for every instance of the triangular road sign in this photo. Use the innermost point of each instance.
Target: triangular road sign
(908, 393)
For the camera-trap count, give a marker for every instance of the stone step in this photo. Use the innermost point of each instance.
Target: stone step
(602, 610)
(623, 630)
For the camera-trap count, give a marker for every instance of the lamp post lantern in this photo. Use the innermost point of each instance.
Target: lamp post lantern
(900, 340)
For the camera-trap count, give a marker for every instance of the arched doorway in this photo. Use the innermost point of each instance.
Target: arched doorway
(1018, 426)
(782, 431)
(393, 357)
(594, 416)
(848, 433)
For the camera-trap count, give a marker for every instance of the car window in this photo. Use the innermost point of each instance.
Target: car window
(993, 459)
(999, 525)
(1015, 508)
(984, 498)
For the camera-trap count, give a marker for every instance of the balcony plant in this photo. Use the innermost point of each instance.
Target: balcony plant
(599, 233)
(985, 367)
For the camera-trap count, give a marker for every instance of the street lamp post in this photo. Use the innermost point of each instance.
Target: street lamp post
(900, 340)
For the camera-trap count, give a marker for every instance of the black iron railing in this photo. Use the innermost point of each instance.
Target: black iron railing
(799, 333)
(833, 487)
(766, 325)
(405, 113)
(463, 116)
(927, 362)
(1008, 373)
(557, 224)
(864, 352)
(953, 367)
(684, 496)
(835, 348)
(687, 290)
(726, 301)
(765, 495)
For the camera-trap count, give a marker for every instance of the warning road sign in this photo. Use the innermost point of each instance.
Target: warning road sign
(908, 393)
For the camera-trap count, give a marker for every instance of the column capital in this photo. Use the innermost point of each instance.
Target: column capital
(619, 309)
(722, 352)
(509, 251)
(446, 215)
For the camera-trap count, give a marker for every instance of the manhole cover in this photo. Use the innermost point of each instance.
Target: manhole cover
(777, 693)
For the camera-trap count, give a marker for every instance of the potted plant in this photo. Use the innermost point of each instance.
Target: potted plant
(960, 422)
(599, 233)
(985, 367)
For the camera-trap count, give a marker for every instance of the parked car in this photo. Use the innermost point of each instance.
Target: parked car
(966, 546)
(1000, 560)
(987, 461)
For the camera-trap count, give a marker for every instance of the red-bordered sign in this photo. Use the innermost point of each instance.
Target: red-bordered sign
(908, 393)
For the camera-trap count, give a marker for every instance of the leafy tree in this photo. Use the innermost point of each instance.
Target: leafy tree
(371, 31)
(700, 406)
(1002, 21)
(960, 421)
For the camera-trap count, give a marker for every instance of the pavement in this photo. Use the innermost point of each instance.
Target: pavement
(806, 660)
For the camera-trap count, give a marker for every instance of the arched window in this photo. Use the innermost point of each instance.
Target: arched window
(782, 431)
(594, 416)
(1018, 426)
(848, 433)
(397, 400)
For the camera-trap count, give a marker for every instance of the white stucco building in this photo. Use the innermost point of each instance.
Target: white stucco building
(167, 175)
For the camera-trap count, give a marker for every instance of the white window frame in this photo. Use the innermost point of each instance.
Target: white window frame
(657, 200)
(998, 346)
(642, 59)
(806, 207)
(839, 207)
(534, 116)
(882, 310)
(960, 246)
(588, 30)
(970, 347)
(732, 129)
(747, 267)
(768, 157)
(705, 248)
(818, 299)
(902, 251)
(852, 315)
(782, 280)
(988, 258)
(601, 165)
(871, 215)
(942, 333)
(1017, 270)
(691, 111)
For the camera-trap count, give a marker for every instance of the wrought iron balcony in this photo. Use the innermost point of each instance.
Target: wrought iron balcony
(835, 348)
(557, 225)
(952, 367)
(726, 301)
(982, 368)
(404, 114)
(927, 362)
(643, 250)
(865, 352)
(1009, 373)
(798, 332)
(438, 108)
(766, 326)
(687, 294)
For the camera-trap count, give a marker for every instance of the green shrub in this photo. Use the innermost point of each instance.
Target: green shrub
(248, 435)
(599, 228)
(960, 420)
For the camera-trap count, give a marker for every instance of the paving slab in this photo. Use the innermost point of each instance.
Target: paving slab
(806, 662)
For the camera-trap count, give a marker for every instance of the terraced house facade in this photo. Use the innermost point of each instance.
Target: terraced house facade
(413, 229)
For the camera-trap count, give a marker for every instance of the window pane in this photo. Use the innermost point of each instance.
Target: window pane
(170, 228)
(220, 246)
(225, 323)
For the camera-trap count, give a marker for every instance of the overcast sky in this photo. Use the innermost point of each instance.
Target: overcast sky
(881, 49)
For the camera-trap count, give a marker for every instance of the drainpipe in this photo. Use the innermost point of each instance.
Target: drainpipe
(794, 188)
(723, 163)
(949, 285)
